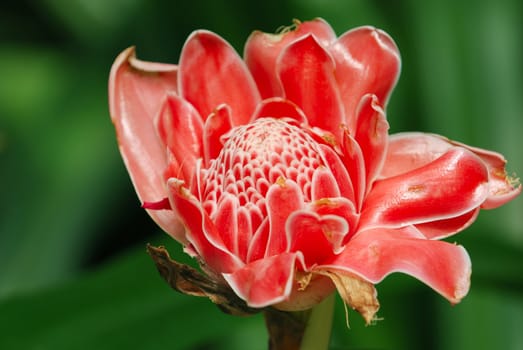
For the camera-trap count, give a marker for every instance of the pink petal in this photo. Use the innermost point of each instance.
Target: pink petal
(372, 135)
(502, 187)
(283, 198)
(163, 204)
(262, 51)
(212, 73)
(216, 125)
(281, 108)
(409, 151)
(181, 129)
(354, 163)
(451, 185)
(367, 61)
(245, 228)
(136, 91)
(306, 71)
(264, 282)
(339, 173)
(376, 253)
(258, 245)
(234, 225)
(440, 229)
(202, 234)
(226, 221)
(316, 237)
(341, 207)
(323, 184)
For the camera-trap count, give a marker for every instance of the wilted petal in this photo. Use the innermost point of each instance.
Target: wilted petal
(367, 61)
(263, 49)
(306, 71)
(376, 253)
(452, 185)
(136, 92)
(356, 292)
(212, 73)
(264, 282)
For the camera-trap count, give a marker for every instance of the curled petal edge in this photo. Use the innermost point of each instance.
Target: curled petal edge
(264, 282)
(202, 234)
(212, 73)
(450, 186)
(305, 67)
(410, 150)
(263, 49)
(136, 90)
(374, 254)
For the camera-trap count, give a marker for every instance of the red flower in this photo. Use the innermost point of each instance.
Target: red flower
(282, 173)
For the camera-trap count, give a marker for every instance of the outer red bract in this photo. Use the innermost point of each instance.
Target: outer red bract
(277, 171)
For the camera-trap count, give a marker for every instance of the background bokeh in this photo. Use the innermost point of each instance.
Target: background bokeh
(73, 269)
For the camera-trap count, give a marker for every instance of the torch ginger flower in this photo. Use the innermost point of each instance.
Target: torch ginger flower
(278, 174)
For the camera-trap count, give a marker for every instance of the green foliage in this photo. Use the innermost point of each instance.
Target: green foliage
(73, 269)
(125, 305)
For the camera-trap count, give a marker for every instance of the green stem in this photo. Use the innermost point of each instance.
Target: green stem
(318, 328)
(303, 330)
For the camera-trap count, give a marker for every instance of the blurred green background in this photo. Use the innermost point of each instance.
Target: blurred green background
(73, 269)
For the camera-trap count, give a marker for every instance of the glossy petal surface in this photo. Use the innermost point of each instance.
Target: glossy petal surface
(281, 169)
(304, 68)
(136, 92)
(181, 128)
(451, 185)
(212, 73)
(368, 61)
(262, 51)
(374, 254)
(216, 126)
(411, 150)
(264, 282)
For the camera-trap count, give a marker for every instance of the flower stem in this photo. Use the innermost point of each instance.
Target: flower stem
(318, 330)
(304, 330)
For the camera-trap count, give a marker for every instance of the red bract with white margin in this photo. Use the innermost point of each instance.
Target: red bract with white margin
(277, 171)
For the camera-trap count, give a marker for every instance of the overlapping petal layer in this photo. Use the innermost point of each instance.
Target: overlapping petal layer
(211, 73)
(368, 62)
(282, 172)
(376, 253)
(452, 185)
(136, 92)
